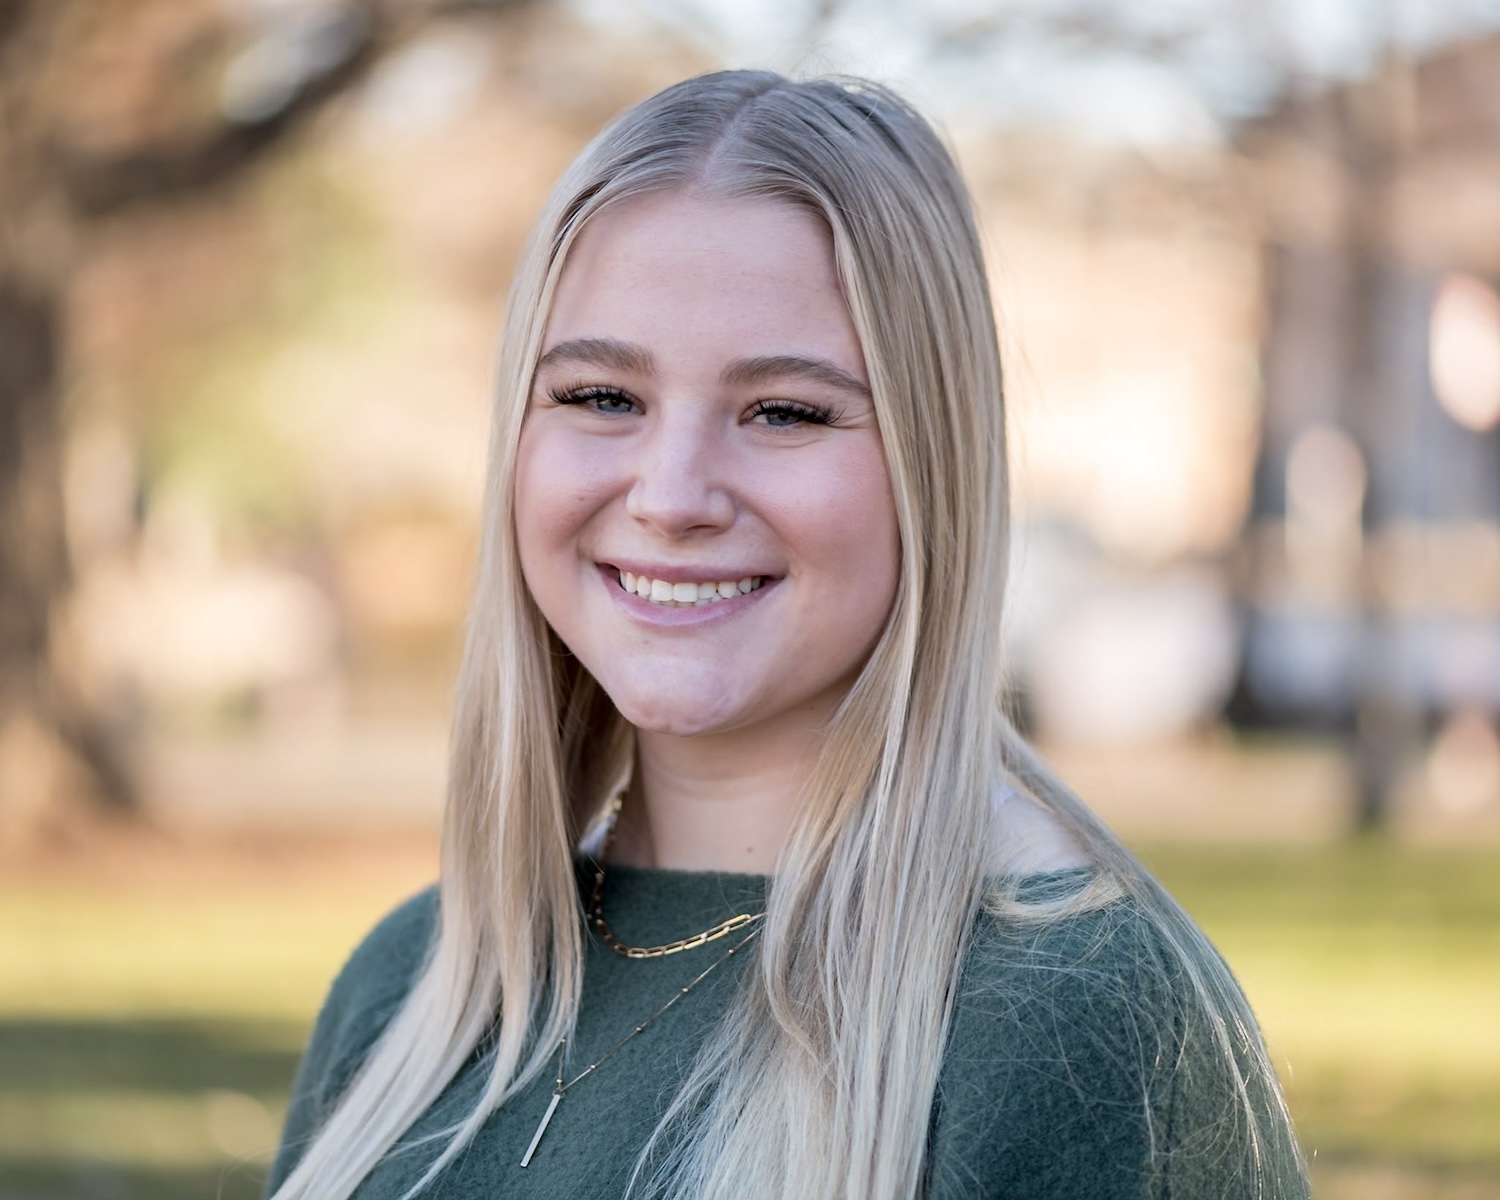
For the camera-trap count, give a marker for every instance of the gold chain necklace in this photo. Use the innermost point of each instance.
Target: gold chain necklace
(560, 1088)
(606, 935)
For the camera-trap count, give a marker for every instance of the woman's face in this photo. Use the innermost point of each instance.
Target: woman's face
(702, 505)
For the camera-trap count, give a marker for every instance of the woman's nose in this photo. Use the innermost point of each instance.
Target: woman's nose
(680, 485)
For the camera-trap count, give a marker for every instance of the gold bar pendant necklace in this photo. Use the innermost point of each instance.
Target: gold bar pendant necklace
(560, 1089)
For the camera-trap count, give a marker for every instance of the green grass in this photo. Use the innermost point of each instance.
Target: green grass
(1375, 971)
(149, 1029)
(168, 1107)
(150, 1026)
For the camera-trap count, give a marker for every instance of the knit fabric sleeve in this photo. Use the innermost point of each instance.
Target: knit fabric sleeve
(363, 999)
(1081, 1064)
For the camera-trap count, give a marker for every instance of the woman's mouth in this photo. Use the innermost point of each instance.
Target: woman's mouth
(688, 595)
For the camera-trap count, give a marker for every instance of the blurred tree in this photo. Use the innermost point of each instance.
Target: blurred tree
(107, 109)
(1348, 268)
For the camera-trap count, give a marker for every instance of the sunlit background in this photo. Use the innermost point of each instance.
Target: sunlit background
(253, 261)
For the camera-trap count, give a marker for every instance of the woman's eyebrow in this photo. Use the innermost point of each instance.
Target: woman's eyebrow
(769, 368)
(601, 352)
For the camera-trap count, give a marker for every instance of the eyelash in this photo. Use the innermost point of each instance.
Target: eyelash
(591, 394)
(807, 414)
(798, 411)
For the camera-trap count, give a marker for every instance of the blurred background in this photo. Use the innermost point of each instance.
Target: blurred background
(253, 260)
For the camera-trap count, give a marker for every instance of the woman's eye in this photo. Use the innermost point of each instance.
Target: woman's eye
(783, 414)
(601, 399)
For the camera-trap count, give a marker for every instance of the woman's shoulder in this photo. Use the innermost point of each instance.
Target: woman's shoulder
(1071, 919)
(1043, 948)
(1080, 1058)
(362, 1000)
(376, 977)
(390, 954)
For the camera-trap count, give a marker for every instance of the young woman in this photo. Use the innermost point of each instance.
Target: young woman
(749, 888)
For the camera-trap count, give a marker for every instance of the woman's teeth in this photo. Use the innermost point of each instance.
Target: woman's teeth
(688, 595)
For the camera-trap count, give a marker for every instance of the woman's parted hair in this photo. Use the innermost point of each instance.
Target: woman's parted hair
(821, 1080)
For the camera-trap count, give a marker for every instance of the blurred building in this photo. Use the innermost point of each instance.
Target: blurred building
(1128, 295)
(1371, 575)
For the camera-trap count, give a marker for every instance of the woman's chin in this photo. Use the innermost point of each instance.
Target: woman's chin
(682, 716)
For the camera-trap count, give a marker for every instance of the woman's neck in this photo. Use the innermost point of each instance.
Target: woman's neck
(720, 803)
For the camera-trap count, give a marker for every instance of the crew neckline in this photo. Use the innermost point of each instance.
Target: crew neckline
(622, 873)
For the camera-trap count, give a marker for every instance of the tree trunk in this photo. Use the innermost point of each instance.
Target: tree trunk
(1388, 726)
(58, 760)
(61, 759)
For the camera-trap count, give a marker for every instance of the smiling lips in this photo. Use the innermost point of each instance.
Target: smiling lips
(688, 595)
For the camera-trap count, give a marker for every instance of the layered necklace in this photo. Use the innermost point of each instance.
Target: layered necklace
(606, 935)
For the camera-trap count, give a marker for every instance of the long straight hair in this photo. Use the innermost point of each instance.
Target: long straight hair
(821, 1079)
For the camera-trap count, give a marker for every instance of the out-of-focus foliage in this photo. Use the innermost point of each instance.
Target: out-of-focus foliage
(268, 245)
(252, 261)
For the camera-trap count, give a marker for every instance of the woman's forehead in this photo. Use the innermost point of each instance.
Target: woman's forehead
(684, 274)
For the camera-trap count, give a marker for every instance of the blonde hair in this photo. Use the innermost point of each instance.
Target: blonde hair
(821, 1080)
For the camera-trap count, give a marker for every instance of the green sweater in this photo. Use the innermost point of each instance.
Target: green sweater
(1074, 1045)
